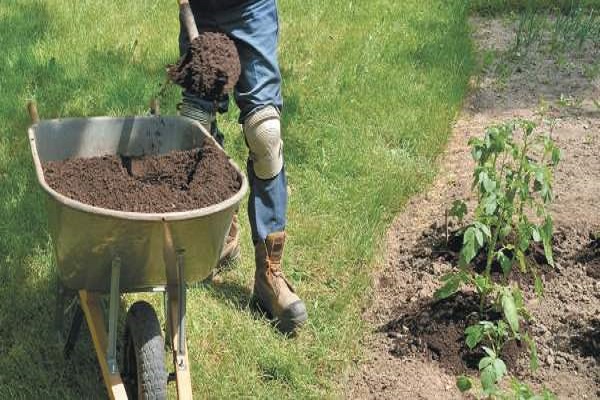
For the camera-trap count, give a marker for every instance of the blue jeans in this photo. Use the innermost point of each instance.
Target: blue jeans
(254, 27)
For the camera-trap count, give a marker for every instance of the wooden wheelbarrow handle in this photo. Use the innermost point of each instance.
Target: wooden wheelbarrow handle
(33, 111)
(187, 17)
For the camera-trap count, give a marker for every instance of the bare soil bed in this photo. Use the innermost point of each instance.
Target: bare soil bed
(416, 348)
(176, 181)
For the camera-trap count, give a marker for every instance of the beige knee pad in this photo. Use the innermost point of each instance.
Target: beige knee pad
(263, 136)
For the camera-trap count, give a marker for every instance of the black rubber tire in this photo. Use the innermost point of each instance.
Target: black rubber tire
(144, 369)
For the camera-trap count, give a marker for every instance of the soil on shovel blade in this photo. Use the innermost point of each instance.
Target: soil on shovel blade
(176, 181)
(210, 68)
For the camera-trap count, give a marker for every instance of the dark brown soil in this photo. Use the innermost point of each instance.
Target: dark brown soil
(176, 181)
(210, 68)
(436, 329)
(591, 256)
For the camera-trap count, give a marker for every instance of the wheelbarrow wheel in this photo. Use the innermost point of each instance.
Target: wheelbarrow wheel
(144, 371)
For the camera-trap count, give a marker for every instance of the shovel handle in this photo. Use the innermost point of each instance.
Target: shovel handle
(187, 17)
(33, 111)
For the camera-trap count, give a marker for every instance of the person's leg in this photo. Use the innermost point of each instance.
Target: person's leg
(254, 28)
(205, 111)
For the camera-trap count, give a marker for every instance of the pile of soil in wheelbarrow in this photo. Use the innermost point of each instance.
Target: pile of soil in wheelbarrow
(176, 181)
(210, 68)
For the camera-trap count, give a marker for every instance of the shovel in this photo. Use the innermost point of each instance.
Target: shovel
(186, 16)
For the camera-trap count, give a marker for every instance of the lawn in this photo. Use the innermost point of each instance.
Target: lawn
(371, 91)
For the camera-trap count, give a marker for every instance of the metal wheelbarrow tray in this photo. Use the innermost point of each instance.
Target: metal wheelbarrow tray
(101, 251)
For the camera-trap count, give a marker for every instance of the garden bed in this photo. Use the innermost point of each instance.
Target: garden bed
(417, 347)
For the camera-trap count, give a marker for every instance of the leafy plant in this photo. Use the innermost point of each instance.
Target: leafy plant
(530, 29)
(575, 27)
(518, 390)
(511, 185)
(513, 181)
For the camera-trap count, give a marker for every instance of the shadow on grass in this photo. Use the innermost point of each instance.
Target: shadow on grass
(31, 360)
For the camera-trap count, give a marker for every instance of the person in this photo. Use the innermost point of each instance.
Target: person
(254, 27)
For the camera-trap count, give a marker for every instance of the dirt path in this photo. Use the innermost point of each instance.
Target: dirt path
(567, 319)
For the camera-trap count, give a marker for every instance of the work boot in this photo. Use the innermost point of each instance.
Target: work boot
(231, 250)
(272, 290)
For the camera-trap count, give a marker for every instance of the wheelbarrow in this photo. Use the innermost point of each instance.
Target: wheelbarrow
(101, 252)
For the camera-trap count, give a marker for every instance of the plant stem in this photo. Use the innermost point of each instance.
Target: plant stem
(488, 265)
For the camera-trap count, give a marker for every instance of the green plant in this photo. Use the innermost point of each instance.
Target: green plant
(518, 390)
(574, 28)
(513, 180)
(511, 184)
(530, 29)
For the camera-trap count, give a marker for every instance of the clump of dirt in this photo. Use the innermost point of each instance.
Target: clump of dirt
(436, 329)
(176, 181)
(210, 68)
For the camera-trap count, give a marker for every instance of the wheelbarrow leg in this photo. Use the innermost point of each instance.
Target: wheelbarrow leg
(105, 346)
(176, 311)
(113, 317)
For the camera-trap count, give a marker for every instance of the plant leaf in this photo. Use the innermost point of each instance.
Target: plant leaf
(481, 283)
(463, 383)
(484, 228)
(479, 237)
(489, 351)
(450, 287)
(488, 184)
(488, 380)
(539, 286)
(499, 368)
(505, 230)
(459, 209)
(505, 262)
(510, 311)
(535, 234)
(490, 204)
(474, 335)
(485, 362)
(470, 247)
(556, 156)
(547, 239)
(533, 356)
(521, 258)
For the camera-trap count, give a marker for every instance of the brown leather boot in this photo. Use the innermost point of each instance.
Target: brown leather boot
(231, 249)
(272, 290)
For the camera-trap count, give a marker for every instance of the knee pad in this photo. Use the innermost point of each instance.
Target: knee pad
(263, 137)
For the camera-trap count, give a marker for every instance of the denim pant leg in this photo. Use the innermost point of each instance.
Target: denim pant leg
(254, 27)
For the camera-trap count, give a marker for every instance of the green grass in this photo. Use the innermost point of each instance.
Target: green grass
(371, 90)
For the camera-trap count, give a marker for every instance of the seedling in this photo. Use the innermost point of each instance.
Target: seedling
(576, 27)
(529, 32)
(518, 391)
